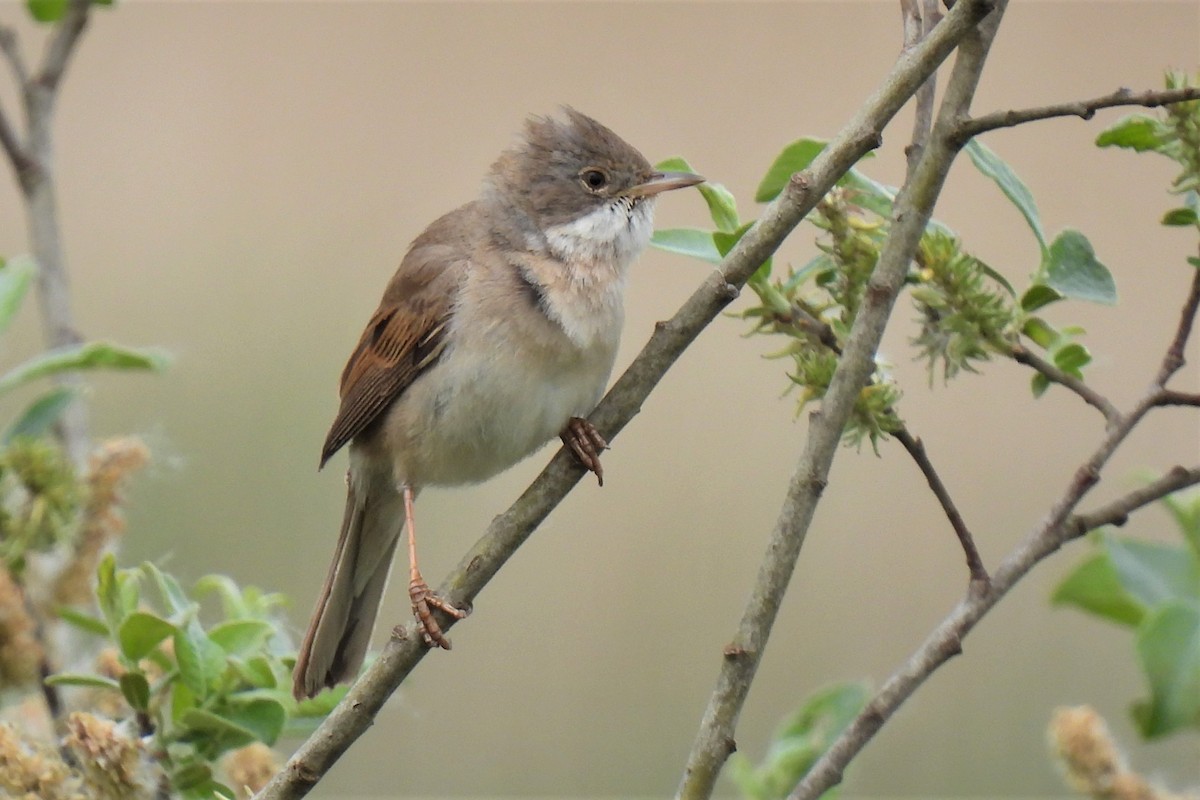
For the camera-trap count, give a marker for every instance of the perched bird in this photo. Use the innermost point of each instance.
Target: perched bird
(497, 332)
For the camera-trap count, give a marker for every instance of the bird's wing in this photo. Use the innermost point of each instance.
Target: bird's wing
(405, 337)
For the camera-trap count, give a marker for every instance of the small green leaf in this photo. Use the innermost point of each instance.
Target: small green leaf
(1040, 332)
(1038, 296)
(319, 707)
(233, 605)
(261, 716)
(725, 243)
(140, 633)
(1136, 131)
(107, 593)
(81, 620)
(256, 671)
(687, 242)
(1180, 216)
(1194, 261)
(1072, 269)
(16, 275)
(89, 355)
(232, 734)
(1168, 645)
(1010, 184)
(876, 197)
(1093, 586)
(190, 776)
(241, 637)
(1185, 508)
(136, 690)
(1038, 384)
(86, 681)
(721, 205)
(794, 158)
(172, 593)
(997, 277)
(1071, 358)
(201, 661)
(1154, 573)
(47, 10)
(674, 164)
(37, 419)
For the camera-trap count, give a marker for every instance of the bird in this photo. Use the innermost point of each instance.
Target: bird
(498, 331)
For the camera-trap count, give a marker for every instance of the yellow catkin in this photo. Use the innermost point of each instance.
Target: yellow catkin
(248, 768)
(112, 763)
(101, 521)
(30, 771)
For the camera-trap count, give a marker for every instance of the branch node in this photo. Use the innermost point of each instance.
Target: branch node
(734, 650)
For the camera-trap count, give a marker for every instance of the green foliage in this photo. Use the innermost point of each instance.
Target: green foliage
(39, 498)
(1174, 133)
(199, 690)
(1154, 589)
(47, 11)
(798, 743)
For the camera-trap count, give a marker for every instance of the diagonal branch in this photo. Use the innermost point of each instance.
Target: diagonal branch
(356, 712)
(913, 208)
(9, 139)
(1023, 355)
(1084, 109)
(1173, 360)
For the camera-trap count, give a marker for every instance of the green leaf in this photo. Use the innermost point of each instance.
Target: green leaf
(1072, 269)
(319, 707)
(1185, 508)
(1154, 573)
(876, 197)
(1136, 132)
(37, 419)
(16, 275)
(1168, 645)
(86, 681)
(1038, 384)
(997, 277)
(256, 672)
(1013, 187)
(241, 637)
(690, 242)
(794, 158)
(136, 689)
(89, 355)
(191, 776)
(140, 633)
(1040, 332)
(107, 593)
(1093, 586)
(721, 205)
(201, 661)
(47, 10)
(726, 241)
(1038, 296)
(233, 605)
(1180, 216)
(674, 164)
(81, 620)
(1194, 261)
(173, 596)
(262, 716)
(1071, 358)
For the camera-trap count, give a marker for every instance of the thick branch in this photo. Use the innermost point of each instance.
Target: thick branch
(1085, 109)
(1023, 355)
(357, 711)
(913, 208)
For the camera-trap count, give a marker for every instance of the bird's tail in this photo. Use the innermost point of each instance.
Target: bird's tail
(336, 642)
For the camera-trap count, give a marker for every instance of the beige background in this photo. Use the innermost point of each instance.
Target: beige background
(238, 182)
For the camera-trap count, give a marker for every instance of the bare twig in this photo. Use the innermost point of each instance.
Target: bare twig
(1023, 355)
(356, 712)
(916, 449)
(8, 134)
(1168, 397)
(1173, 359)
(1085, 109)
(918, 22)
(61, 44)
(1058, 527)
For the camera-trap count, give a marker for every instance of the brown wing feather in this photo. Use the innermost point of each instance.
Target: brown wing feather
(403, 339)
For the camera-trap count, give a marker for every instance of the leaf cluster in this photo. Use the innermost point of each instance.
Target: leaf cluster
(800, 740)
(1154, 590)
(198, 690)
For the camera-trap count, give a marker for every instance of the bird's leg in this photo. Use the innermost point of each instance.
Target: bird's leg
(582, 439)
(422, 597)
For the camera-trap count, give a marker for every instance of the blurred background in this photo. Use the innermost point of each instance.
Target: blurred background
(239, 180)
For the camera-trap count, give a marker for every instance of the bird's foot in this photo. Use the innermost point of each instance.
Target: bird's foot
(423, 602)
(586, 443)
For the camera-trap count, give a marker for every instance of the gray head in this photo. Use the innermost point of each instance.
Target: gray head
(564, 168)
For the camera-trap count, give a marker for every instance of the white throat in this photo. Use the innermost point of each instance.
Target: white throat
(615, 233)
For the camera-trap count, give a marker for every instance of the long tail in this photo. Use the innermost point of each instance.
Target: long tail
(336, 642)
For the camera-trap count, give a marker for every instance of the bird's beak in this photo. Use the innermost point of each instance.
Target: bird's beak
(663, 182)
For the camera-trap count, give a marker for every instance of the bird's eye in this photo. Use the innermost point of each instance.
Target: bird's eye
(594, 179)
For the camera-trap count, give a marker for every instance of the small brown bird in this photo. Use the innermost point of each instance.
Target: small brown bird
(497, 332)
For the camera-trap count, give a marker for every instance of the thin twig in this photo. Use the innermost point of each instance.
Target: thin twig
(1169, 397)
(918, 22)
(1023, 355)
(1085, 109)
(1173, 359)
(354, 715)
(1058, 527)
(916, 449)
(8, 134)
(61, 44)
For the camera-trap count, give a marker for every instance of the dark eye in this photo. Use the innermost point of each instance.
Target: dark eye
(594, 179)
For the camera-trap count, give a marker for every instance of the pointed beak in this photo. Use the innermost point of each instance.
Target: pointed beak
(663, 182)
